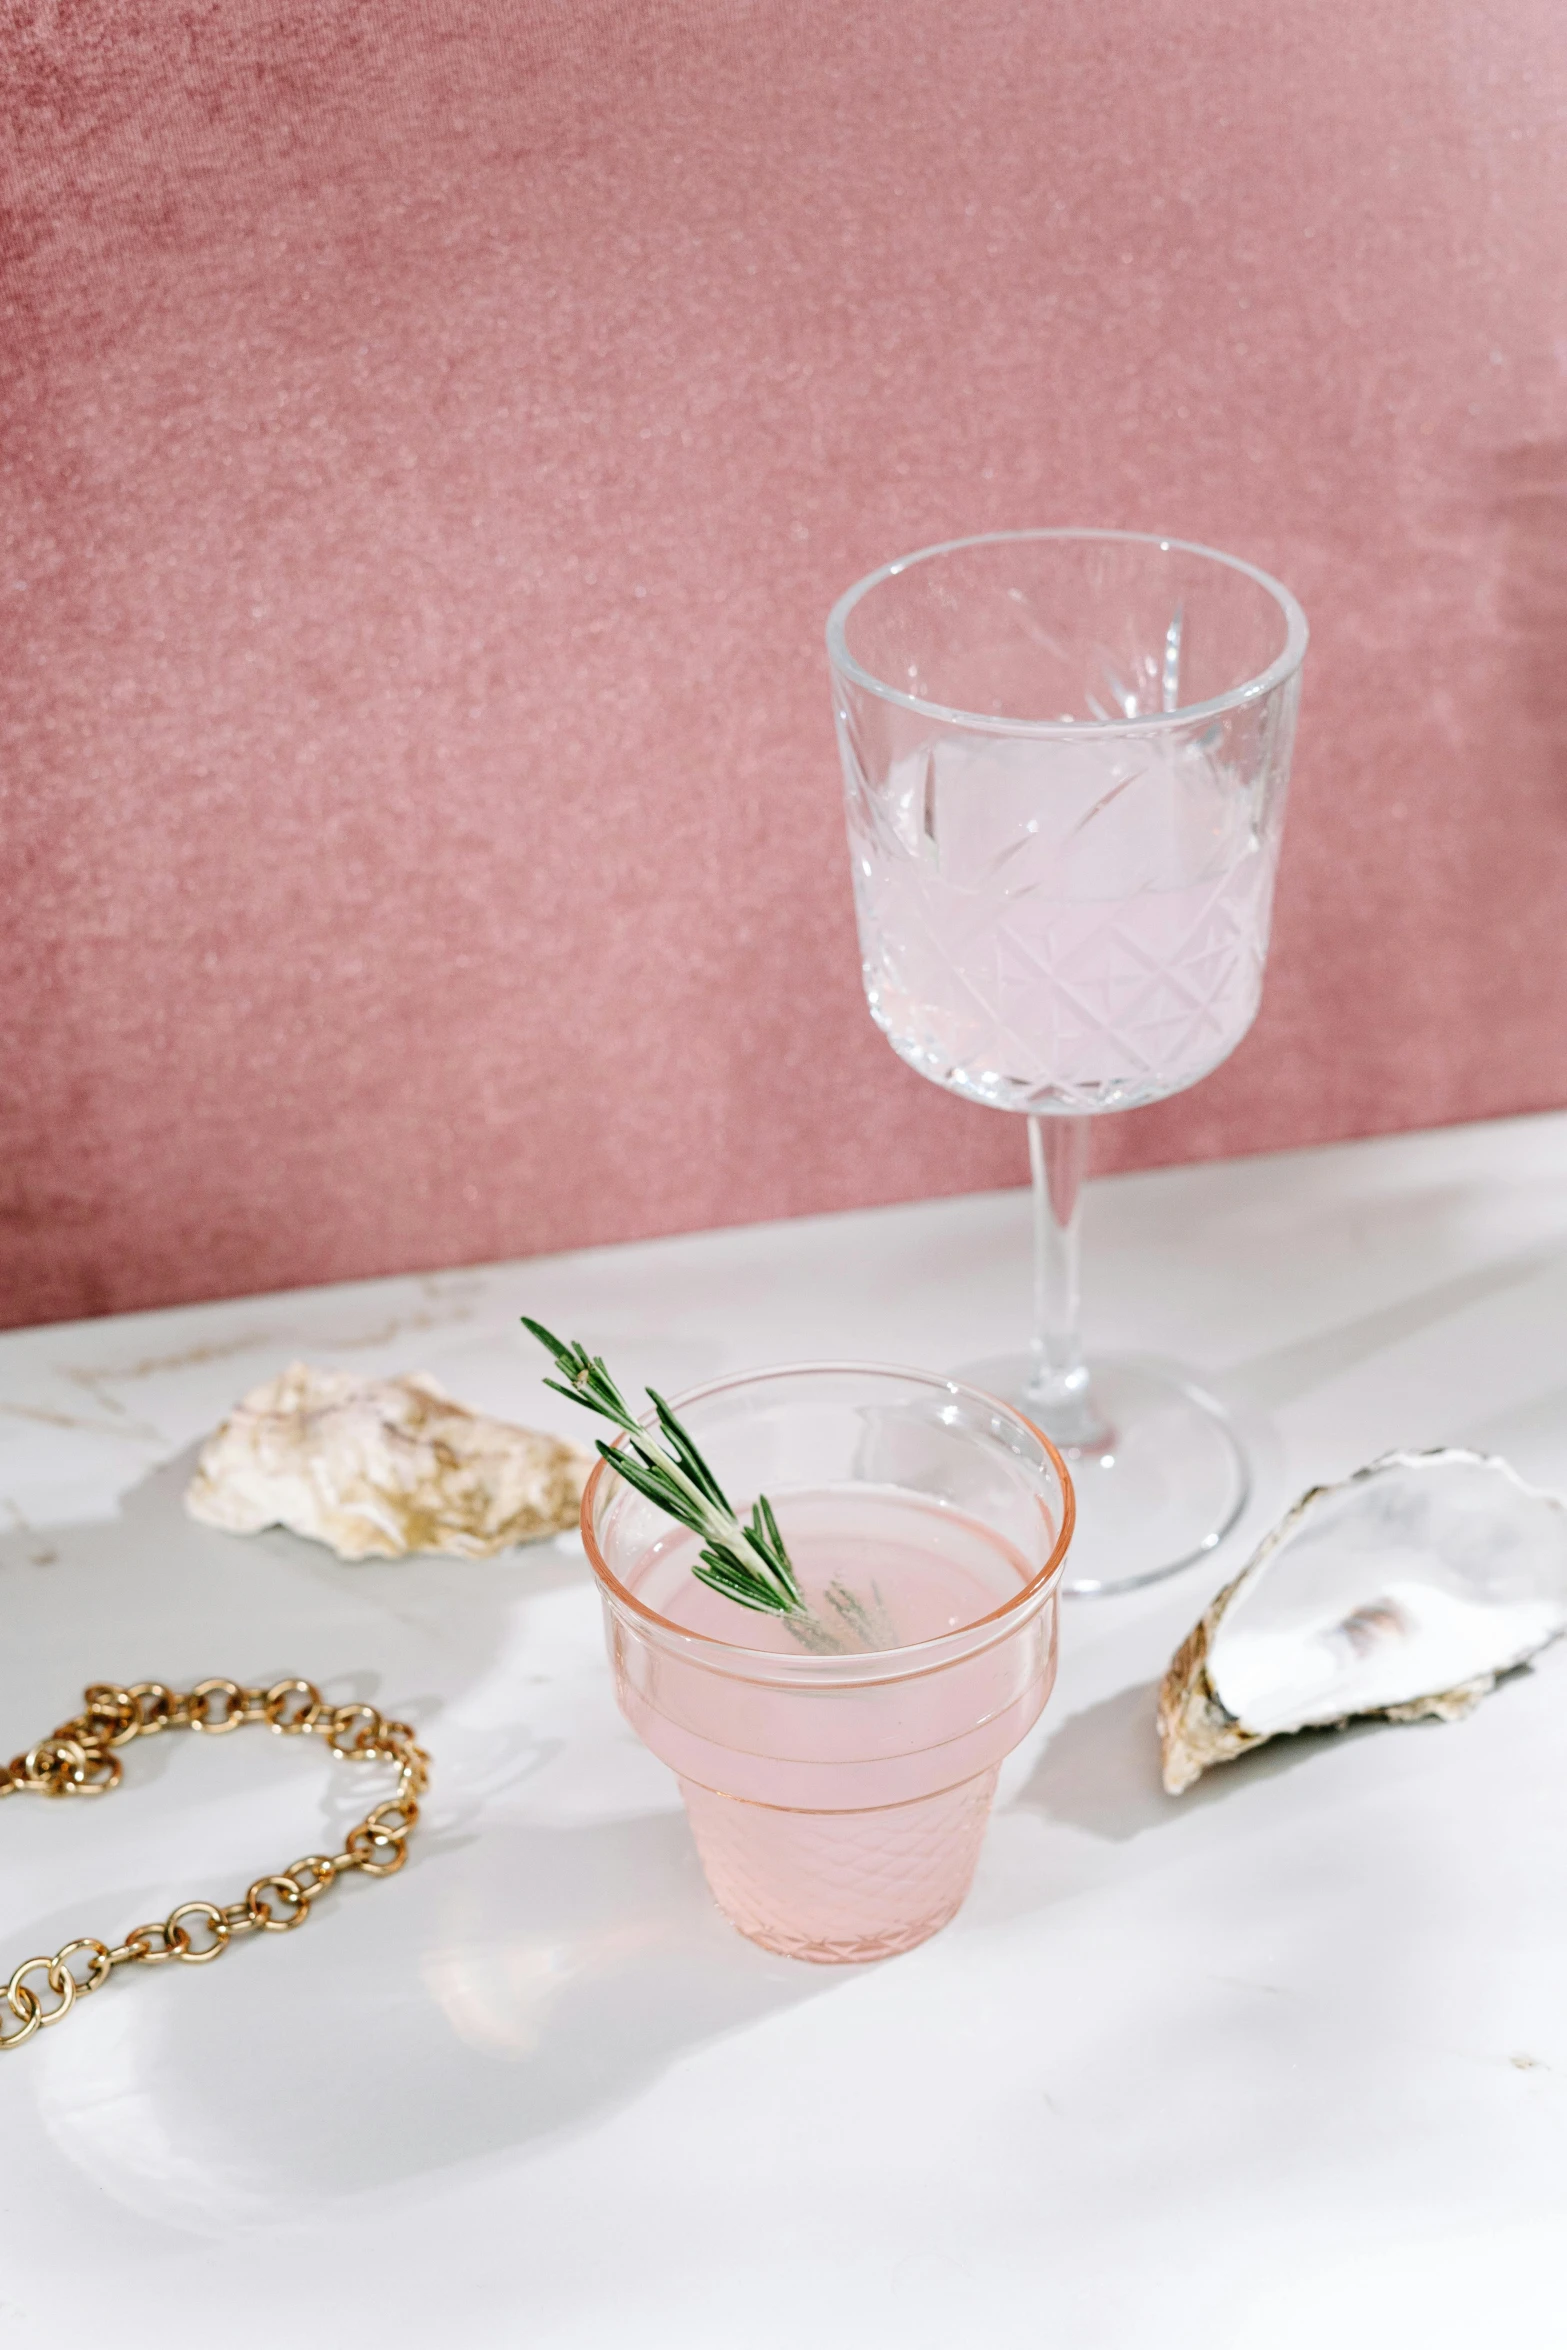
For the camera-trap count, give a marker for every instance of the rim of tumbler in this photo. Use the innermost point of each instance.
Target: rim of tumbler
(1297, 636)
(932, 1379)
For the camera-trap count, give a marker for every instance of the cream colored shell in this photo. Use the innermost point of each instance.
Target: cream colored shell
(377, 1468)
(1404, 1592)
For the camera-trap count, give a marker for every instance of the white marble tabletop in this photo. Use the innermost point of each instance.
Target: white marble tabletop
(1281, 2063)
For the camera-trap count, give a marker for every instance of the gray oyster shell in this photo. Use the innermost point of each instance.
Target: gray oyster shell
(1404, 1591)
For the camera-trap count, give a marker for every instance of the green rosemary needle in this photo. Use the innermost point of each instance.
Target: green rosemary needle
(748, 1563)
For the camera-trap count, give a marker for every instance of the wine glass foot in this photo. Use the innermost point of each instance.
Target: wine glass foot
(1160, 1482)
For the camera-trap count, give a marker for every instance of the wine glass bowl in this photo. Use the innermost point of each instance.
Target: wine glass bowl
(1065, 757)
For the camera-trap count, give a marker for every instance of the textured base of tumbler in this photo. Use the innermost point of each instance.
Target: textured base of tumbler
(841, 1887)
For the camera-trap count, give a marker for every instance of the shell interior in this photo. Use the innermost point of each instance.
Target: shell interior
(1418, 1575)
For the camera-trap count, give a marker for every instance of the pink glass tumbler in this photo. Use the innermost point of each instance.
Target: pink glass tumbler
(838, 1782)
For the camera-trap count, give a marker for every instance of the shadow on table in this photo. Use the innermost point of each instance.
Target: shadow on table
(1100, 1771)
(1273, 1381)
(515, 1981)
(131, 1595)
(497, 1993)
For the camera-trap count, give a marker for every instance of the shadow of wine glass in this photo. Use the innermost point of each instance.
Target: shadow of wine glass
(1285, 1375)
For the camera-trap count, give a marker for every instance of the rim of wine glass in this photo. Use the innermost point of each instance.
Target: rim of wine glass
(1031, 1590)
(1254, 689)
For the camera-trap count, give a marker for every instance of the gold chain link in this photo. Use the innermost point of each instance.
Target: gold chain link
(80, 1759)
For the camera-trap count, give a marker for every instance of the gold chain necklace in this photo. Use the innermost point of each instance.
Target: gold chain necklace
(79, 1759)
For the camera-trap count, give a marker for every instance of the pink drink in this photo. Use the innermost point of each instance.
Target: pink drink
(1077, 928)
(838, 1769)
(878, 1569)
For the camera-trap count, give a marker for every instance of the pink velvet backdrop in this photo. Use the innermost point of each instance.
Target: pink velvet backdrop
(434, 435)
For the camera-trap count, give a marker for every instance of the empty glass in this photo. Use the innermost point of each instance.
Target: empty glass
(1065, 755)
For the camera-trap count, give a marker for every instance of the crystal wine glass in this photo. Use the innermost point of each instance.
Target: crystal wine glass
(1065, 755)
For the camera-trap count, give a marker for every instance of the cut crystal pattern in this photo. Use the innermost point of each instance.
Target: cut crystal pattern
(1086, 946)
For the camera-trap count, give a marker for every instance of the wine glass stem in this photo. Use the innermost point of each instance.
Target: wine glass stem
(1059, 1393)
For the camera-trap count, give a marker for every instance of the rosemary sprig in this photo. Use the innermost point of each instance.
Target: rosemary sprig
(749, 1563)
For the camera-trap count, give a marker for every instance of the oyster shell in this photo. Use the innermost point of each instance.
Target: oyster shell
(376, 1468)
(1404, 1592)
